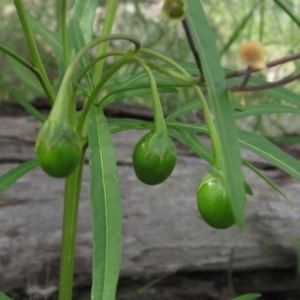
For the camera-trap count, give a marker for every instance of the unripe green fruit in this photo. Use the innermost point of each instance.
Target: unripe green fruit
(154, 158)
(214, 206)
(174, 10)
(58, 148)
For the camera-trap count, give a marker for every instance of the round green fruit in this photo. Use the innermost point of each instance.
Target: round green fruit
(58, 148)
(174, 9)
(214, 206)
(154, 158)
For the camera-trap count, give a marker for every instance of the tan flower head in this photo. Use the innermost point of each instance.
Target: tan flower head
(253, 54)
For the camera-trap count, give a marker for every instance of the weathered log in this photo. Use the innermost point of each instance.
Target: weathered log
(162, 230)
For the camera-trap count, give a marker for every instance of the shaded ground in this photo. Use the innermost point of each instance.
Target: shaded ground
(278, 284)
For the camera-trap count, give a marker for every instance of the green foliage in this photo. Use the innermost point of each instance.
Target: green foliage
(4, 297)
(106, 207)
(248, 297)
(66, 133)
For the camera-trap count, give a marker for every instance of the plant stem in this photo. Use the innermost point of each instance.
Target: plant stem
(265, 86)
(57, 110)
(218, 161)
(270, 64)
(110, 72)
(159, 120)
(63, 28)
(71, 201)
(37, 61)
(96, 60)
(107, 27)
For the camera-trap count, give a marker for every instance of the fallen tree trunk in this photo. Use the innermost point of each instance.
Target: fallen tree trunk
(162, 229)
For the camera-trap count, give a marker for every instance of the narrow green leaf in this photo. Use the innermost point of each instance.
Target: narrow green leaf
(15, 56)
(270, 182)
(54, 40)
(204, 40)
(4, 297)
(248, 297)
(27, 105)
(84, 13)
(127, 92)
(16, 173)
(189, 137)
(239, 29)
(75, 43)
(288, 12)
(190, 106)
(134, 123)
(106, 208)
(271, 153)
(261, 109)
(25, 75)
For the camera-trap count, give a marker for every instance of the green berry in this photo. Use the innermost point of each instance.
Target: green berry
(154, 158)
(58, 148)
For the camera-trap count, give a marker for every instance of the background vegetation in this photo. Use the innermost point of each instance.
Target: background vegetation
(234, 22)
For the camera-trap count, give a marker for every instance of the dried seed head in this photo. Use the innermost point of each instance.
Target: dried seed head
(253, 54)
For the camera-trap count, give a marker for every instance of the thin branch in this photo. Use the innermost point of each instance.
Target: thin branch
(269, 65)
(264, 86)
(193, 47)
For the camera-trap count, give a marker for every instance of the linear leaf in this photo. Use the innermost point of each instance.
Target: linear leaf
(238, 29)
(16, 173)
(248, 297)
(27, 105)
(54, 41)
(288, 12)
(106, 208)
(124, 93)
(204, 40)
(25, 76)
(265, 149)
(262, 109)
(84, 13)
(4, 297)
(75, 43)
(270, 182)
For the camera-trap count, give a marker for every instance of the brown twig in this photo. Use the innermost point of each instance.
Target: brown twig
(264, 86)
(193, 47)
(269, 65)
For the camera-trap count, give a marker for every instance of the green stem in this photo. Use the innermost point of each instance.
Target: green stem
(216, 144)
(159, 120)
(96, 60)
(18, 58)
(107, 28)
(215, 140)
(63, 28)
(110, 72)
(180, 77)
(37, 61)
(71, 201)
(187, 78)
(59, 110)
